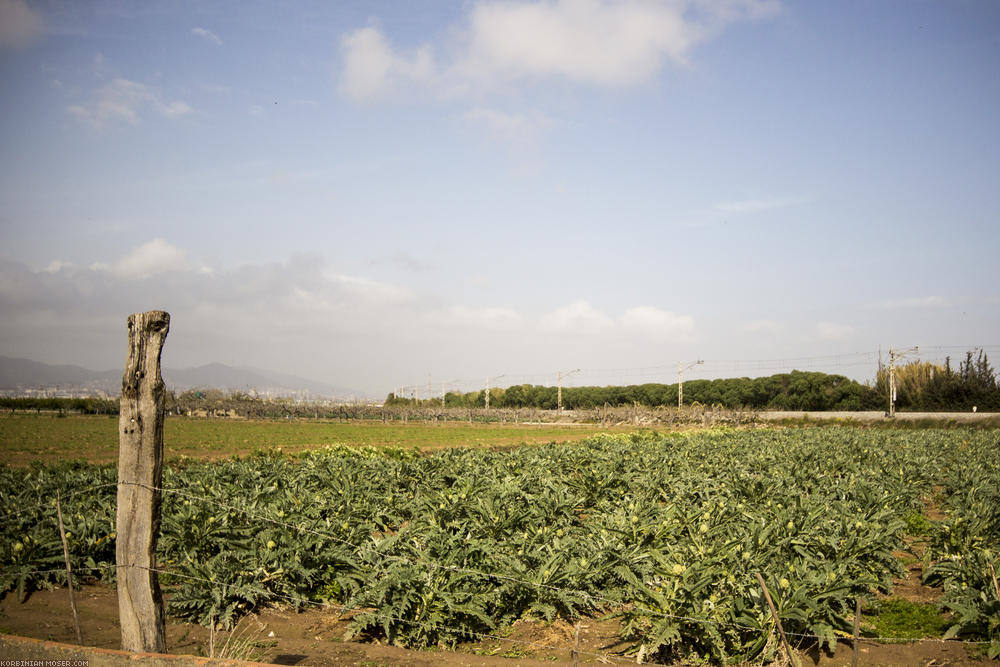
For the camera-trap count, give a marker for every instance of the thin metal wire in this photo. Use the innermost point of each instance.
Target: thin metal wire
(843, 360)
(301, 529)
(348, 609)
(538, 585)
(51, 503)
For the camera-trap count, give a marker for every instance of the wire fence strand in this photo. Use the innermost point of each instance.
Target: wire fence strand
(610, 603)
(347, 609)
(51, 502)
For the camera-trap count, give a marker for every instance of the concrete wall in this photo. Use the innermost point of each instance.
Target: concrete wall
(774, 415)
(949, 416)
(970, 417)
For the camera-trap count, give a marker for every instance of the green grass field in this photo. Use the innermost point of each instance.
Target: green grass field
(48, 438)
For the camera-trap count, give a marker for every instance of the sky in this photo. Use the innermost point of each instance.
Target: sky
(379, 194)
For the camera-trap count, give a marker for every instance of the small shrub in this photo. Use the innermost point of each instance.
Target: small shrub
(917, 524)
(902, 619)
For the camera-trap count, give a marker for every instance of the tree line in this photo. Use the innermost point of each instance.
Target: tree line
(921, 386)
(924, 386)
(797, 390)
(90, 405)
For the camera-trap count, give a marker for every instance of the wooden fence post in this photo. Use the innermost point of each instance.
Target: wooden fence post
(69, 570)
(857, 632)
(794, 659)
(140, 465)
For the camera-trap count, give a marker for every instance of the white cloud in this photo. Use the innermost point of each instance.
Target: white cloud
(57, 265)
(372, 69)
(725, 211)
(603, 43)
(151, 258)
(657, 323)
(834, 331)
(514, 130)
(646, 321)
(175, 109)
(404, 261)
(753, 205)
(913, 302)
(586, 41)
(763, 326)
(207, 35)
(484, 317)
(19, 24)
(300, 315)
(367, 288)
(124, 100)
(577, 317)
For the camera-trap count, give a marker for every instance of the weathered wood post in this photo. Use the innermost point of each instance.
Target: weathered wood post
(792, 657)
(140, 465)
(69, 570)
(857, 632)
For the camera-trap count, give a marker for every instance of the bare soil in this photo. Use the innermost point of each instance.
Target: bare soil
(911, 587)
(316, 638)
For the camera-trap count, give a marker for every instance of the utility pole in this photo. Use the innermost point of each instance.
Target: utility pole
(680, 378)
(488, 390)
(559, 379)
(893, 356)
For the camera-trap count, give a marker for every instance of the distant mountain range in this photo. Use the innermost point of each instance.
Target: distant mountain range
(18, 375)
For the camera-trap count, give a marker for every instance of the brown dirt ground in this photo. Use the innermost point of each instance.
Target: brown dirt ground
(911, 586)
(315, 638)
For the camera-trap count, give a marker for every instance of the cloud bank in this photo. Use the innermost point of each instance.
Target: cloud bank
(151, 258)
(20, 25)
(303, 315)
(207, 35)
(598, 43)
(125, 100)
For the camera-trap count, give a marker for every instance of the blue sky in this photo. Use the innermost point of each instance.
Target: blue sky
(371, 193)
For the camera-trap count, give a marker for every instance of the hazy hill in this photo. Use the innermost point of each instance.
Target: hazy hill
(21, 374)
(16, 373)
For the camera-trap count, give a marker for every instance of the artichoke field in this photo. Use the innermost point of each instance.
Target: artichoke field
(664, 532)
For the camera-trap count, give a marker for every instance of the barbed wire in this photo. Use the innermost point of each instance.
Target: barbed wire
(251, 514)
(349, 609)
(345, 609)
(49, 504)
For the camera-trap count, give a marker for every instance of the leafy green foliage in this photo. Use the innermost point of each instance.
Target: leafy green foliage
(923, 385)
(665, 532)
(904, 619)
(917, 525)
(31, 554)
(797, 390)
(964, 554)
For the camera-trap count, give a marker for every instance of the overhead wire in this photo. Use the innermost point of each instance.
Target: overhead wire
(708, 367)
